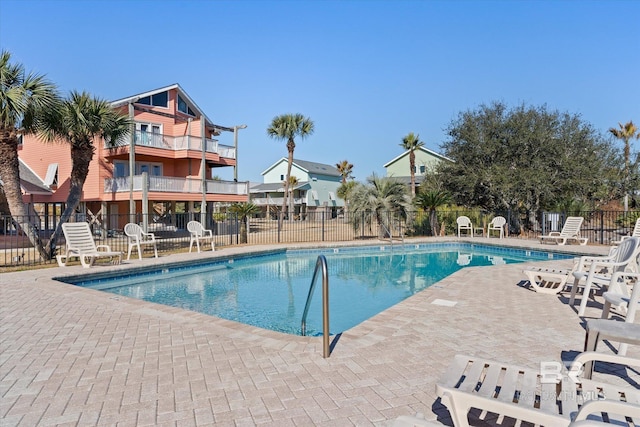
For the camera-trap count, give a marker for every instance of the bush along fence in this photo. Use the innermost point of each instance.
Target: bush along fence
(17, 249)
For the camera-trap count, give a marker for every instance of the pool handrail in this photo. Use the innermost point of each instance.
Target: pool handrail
(320, 263)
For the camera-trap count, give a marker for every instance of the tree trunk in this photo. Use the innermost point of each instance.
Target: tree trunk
(10, 176)
(243, 229)
(81, 156)
(433, 221)
(412, 166)
(290, 147)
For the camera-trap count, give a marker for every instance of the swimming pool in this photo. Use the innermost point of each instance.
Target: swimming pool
(269, 291)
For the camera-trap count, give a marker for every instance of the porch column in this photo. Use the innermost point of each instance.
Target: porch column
(145, 201)
(132, 164)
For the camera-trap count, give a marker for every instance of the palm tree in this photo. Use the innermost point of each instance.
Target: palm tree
(411, 142)
(244, 210)
(626, 132)
(377, 201)
(287, 127)
(430, 201)
(344, 192)
(23, 98)
(346, 169)
(80, 122)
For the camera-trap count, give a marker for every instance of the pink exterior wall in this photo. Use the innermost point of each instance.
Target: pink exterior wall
(184, 163)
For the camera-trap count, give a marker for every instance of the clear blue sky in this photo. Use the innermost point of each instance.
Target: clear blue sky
(366, 72)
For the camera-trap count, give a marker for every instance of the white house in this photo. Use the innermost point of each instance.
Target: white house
(315, 190)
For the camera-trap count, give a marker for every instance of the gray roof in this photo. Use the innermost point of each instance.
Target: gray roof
(274, 187)
(309, 167)
(30, 182)
(317, 168)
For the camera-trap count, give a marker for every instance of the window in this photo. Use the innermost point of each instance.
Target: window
(149, 134)
(422, 169)
(157, 100)
(120, 169)
(153, 169)
(281, 177)
(184, 108)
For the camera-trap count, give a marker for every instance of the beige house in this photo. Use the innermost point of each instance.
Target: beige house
(426, 160)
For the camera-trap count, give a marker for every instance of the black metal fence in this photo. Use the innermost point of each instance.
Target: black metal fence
(16, 249)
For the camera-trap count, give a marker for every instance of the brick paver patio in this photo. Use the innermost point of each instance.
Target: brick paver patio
(73, 356)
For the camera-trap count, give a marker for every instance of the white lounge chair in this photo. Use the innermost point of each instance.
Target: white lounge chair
(464, 224)
(634, 233)
(538, 396)
(584, 417)
(547, 280)
(80, 244)
(601, 269)
(199, 233)
(497, 224)
(570, 232)
(137, 238)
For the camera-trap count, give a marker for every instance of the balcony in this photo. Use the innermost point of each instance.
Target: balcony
(276, 201)
(178, 143)
(170, 184)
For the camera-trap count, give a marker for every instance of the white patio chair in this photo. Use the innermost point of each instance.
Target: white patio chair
(634, 233)
(537, 396)
(80, 244)
(464, 224)
(138, 238)
(497, 224)
(625, 301)
(570, 231)
(199, 233)
(464, 259)
(601, 270)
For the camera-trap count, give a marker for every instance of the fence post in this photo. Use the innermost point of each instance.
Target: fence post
(602, 227)
(322, 216)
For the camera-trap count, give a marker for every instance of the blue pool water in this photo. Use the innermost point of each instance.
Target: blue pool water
(270, 291)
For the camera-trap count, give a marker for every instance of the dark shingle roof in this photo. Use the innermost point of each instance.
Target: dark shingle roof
(317, 168)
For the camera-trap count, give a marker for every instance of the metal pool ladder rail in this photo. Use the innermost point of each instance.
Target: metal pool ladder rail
(320, 263)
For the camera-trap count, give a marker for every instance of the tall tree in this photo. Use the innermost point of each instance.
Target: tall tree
(344, 192)
(23, 99)
(377, 201)
(346, 170)
(412, 142)
(244, 211)
(526, 157)
(81, 122)
(430, 201)
(626, 133)
(287, 127)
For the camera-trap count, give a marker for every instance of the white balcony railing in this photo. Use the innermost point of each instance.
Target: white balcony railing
(177, 143)
(275, 201)
(169, 184)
